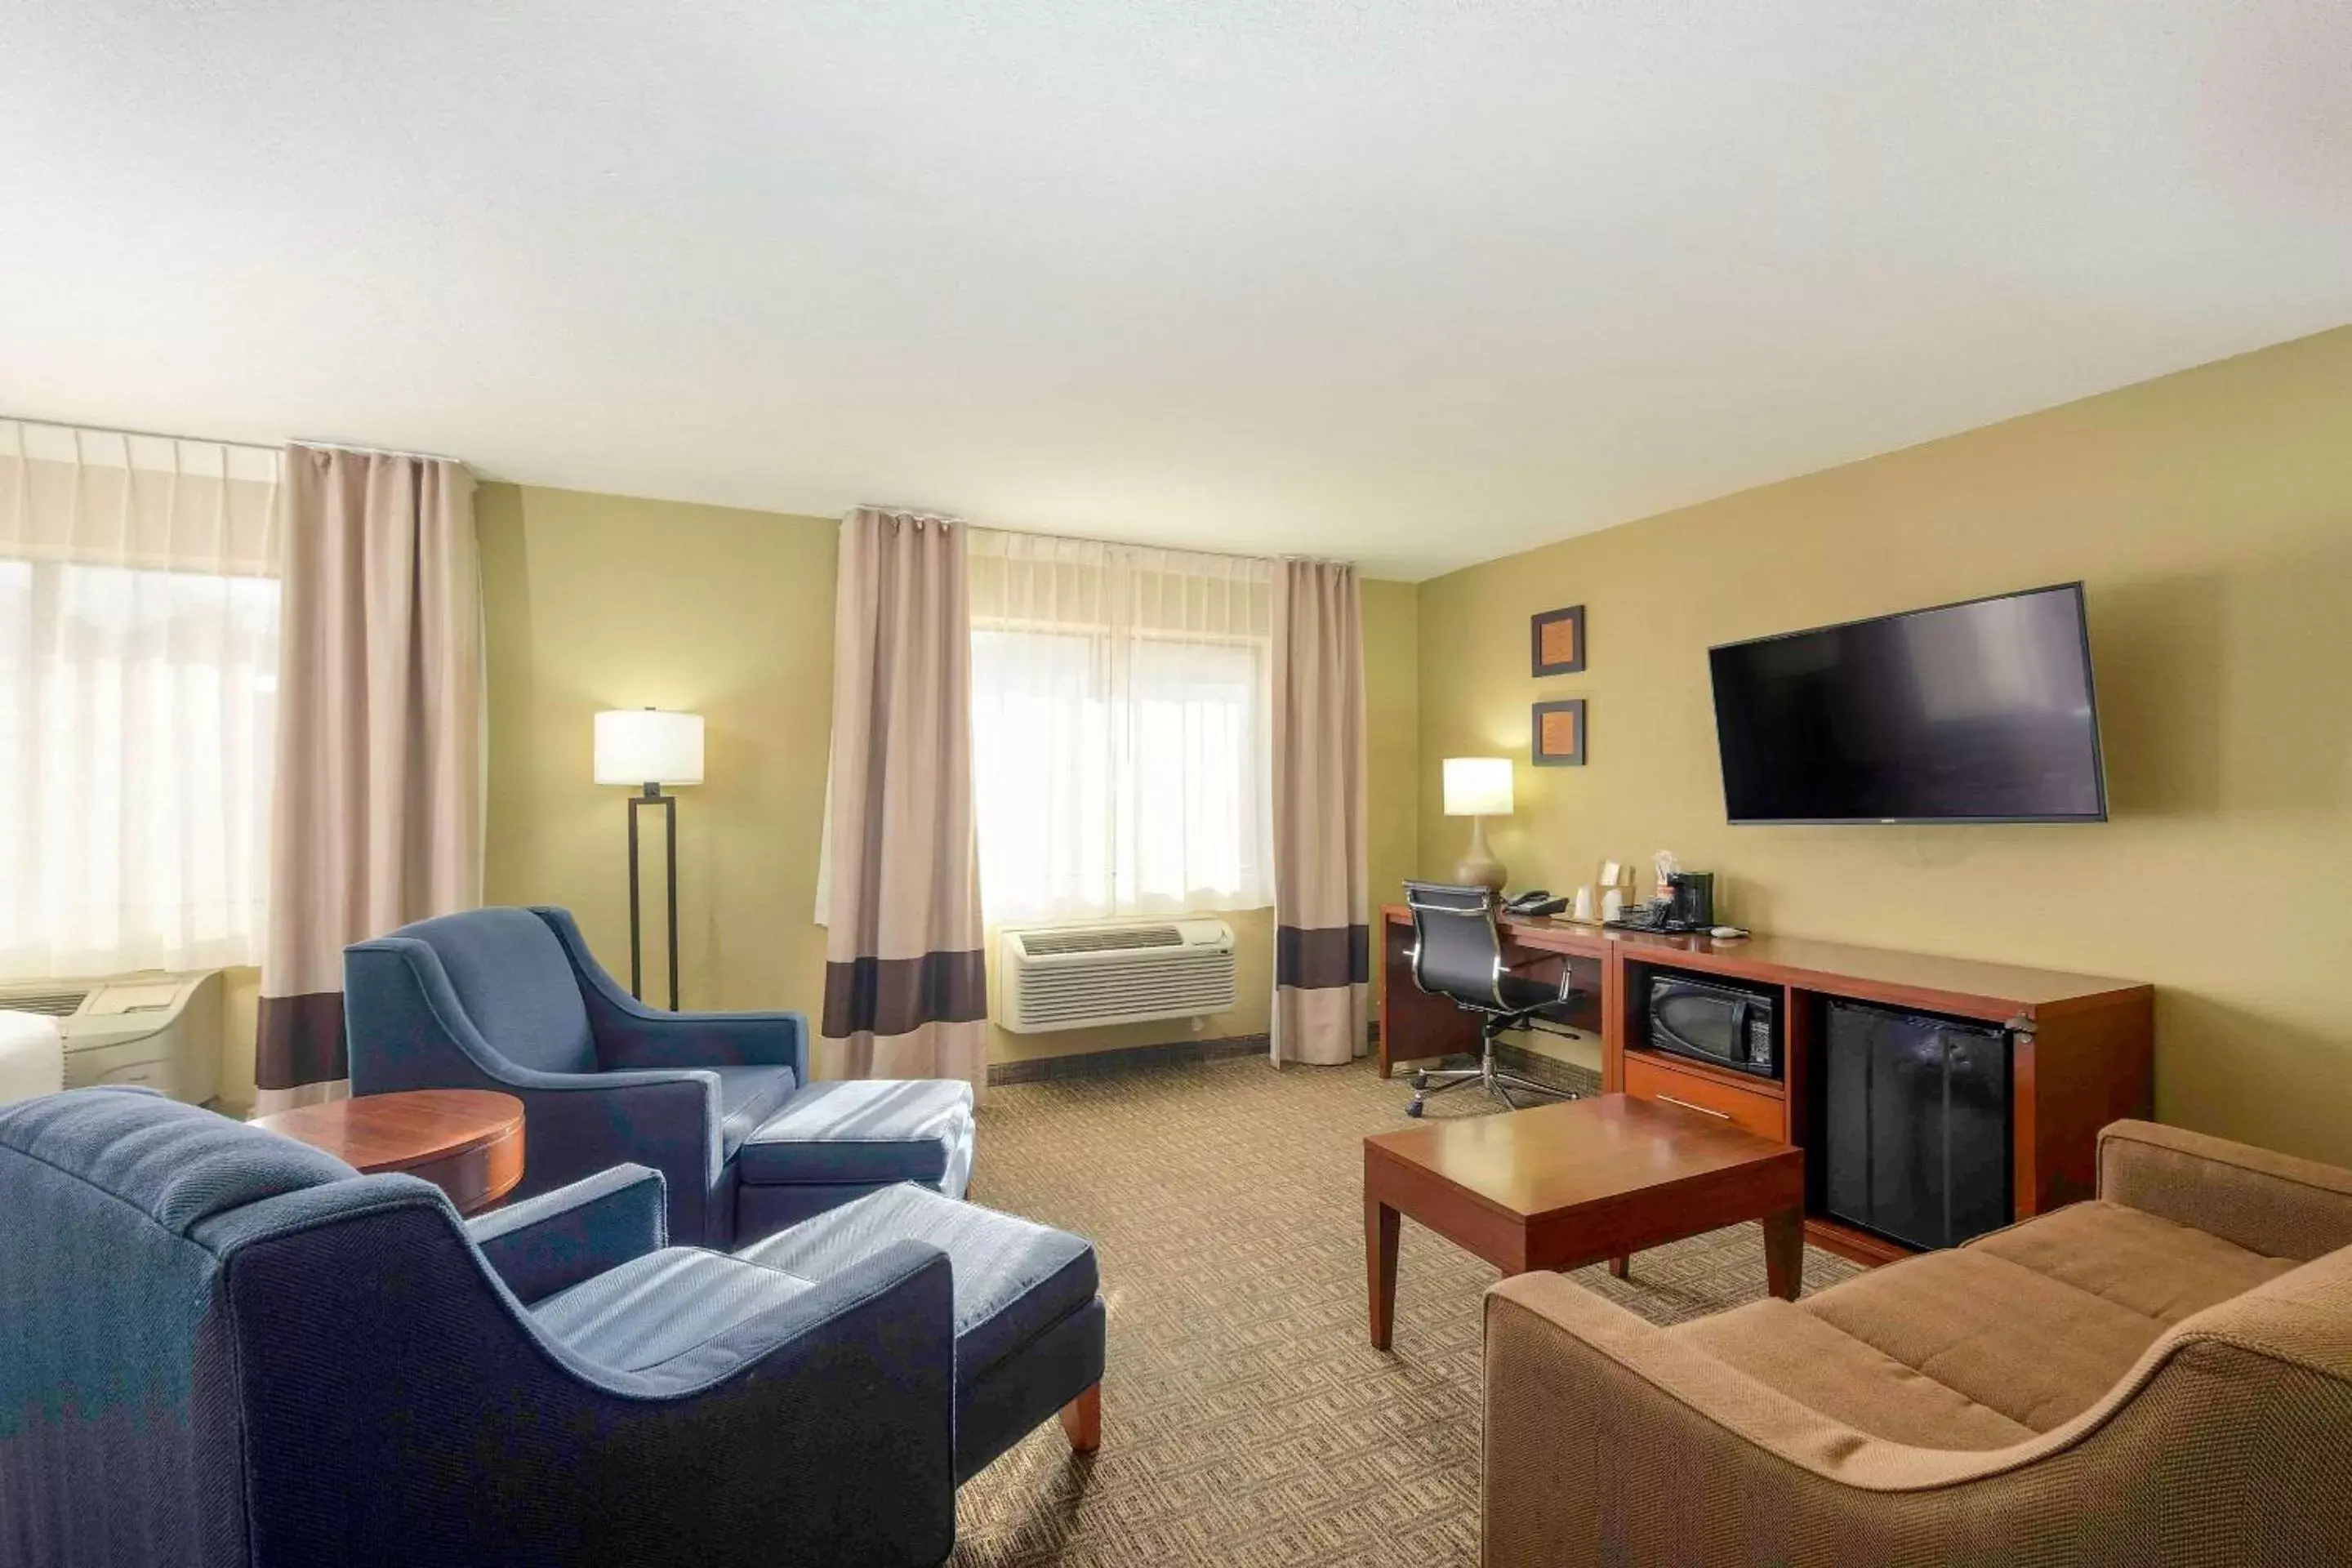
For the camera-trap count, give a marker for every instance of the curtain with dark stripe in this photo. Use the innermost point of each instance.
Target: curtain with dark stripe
(376, 814)
(1322, 996)
(905, 987)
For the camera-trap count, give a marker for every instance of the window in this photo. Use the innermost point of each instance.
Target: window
(1120, 754)
(138, 678)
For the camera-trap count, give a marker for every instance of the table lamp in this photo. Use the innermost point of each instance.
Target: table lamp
(650, 747)
(1478, 788)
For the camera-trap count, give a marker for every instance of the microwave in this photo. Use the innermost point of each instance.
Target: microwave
(1717, 1022)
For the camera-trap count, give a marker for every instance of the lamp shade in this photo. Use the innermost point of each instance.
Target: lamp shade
(648, 745)
(1477, 786)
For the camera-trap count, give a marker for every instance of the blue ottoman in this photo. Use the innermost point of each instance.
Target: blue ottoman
(1029, 1328)
(835, 1141)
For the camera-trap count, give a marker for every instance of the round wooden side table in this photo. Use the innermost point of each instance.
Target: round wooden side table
(466, 1141)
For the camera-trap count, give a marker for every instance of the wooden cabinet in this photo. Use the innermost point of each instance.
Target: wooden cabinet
(2082, 1047)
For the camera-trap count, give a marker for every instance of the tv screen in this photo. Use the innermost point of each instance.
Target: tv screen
(1973, 712)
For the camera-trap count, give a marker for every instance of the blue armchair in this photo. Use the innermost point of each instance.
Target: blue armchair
(223, 1348)
(511, 999)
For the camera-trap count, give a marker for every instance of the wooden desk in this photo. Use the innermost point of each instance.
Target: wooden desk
(1557, 1187)
(2081, 1046)
(466, 1141)
(1426, 1026)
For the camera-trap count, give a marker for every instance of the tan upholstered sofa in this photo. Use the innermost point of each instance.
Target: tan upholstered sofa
(2160, 1375)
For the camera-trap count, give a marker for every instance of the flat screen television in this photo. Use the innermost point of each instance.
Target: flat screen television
(1979, 711)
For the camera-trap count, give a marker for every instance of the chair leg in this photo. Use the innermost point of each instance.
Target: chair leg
(1082, 1420)
(1429, 1081)
(1499, 1083)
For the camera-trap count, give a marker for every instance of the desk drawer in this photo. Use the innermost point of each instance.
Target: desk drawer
(1759, 1113)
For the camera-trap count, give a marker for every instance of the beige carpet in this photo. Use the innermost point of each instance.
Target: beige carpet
(1246, 1420)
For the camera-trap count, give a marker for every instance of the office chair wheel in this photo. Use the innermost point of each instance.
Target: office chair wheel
(1420, 1081)
(1413, 1109)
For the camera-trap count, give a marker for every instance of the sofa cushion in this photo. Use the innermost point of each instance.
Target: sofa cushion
(2147, 1265)
(1013, 1279)
(663, 1304)
(2016, 1333)
(2035, 1349)
(863, 1130)
(517, 987)
(748, 1097)
(1785, 1347)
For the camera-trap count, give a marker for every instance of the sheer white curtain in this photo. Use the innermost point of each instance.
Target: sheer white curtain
(1120, 729)
(138, 678)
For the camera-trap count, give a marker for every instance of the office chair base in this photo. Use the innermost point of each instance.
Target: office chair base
(1497, 1083)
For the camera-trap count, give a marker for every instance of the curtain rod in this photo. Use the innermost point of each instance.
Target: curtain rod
(219, 441)
(139, 435)
(373, 451)
(1172, 549)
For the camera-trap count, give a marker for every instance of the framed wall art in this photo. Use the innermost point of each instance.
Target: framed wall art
(1560, 734)
(1556, 641)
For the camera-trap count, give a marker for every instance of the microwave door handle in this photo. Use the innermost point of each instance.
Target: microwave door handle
(1740, 1030)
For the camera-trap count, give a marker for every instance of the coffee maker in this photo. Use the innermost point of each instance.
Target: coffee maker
(1690, 900)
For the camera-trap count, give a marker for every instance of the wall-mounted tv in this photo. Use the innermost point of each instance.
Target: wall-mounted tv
(1979, 711)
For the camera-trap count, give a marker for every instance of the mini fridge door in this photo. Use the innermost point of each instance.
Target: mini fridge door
(1914, 1127)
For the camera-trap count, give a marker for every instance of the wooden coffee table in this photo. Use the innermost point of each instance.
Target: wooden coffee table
(466, 1141)
(1560, 1186)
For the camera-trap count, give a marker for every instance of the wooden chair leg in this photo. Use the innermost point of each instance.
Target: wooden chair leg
(1082, 1419)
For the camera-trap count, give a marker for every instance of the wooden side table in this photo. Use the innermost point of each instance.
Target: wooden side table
(466, 1141)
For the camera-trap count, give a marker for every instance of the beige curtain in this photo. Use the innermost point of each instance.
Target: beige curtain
(1321, 876)
(1120, 737)
(138, 663)
(377, 819)
(906, 986)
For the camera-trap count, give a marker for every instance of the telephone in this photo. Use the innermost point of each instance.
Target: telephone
(1535, 901)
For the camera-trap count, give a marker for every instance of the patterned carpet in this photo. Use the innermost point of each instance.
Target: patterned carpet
(1246, 1420)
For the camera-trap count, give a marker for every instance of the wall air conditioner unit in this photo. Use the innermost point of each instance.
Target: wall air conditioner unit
(1074, 977)
(158, 1029)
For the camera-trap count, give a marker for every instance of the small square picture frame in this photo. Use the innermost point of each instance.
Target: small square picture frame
(1556, 642)
(1558, 734)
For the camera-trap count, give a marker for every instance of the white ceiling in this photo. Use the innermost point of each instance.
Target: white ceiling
(1418, 284)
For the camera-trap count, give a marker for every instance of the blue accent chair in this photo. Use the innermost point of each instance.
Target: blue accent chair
(511, 999)
(225, 1348)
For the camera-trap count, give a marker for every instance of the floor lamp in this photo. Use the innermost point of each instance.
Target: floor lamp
(650, 747)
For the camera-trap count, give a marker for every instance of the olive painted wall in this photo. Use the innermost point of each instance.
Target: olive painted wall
(2209, 514)
(598, 601)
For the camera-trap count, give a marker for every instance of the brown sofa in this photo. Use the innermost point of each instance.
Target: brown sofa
(2160, 1375)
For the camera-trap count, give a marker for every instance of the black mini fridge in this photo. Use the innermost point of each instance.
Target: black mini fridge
(1916, 1124)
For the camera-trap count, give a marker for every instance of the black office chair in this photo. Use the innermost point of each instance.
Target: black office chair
(1457, 954)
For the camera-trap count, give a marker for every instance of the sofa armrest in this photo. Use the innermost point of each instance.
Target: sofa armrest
(1610, 1441)
(649, 1039)
(2272, 1204)
(843, 1398)
(387, 1392)
(629, 1034)
(555, 1240)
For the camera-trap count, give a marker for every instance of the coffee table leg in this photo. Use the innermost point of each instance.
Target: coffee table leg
(1784, 1252)
(1620, 1266)
(1380, 1266)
